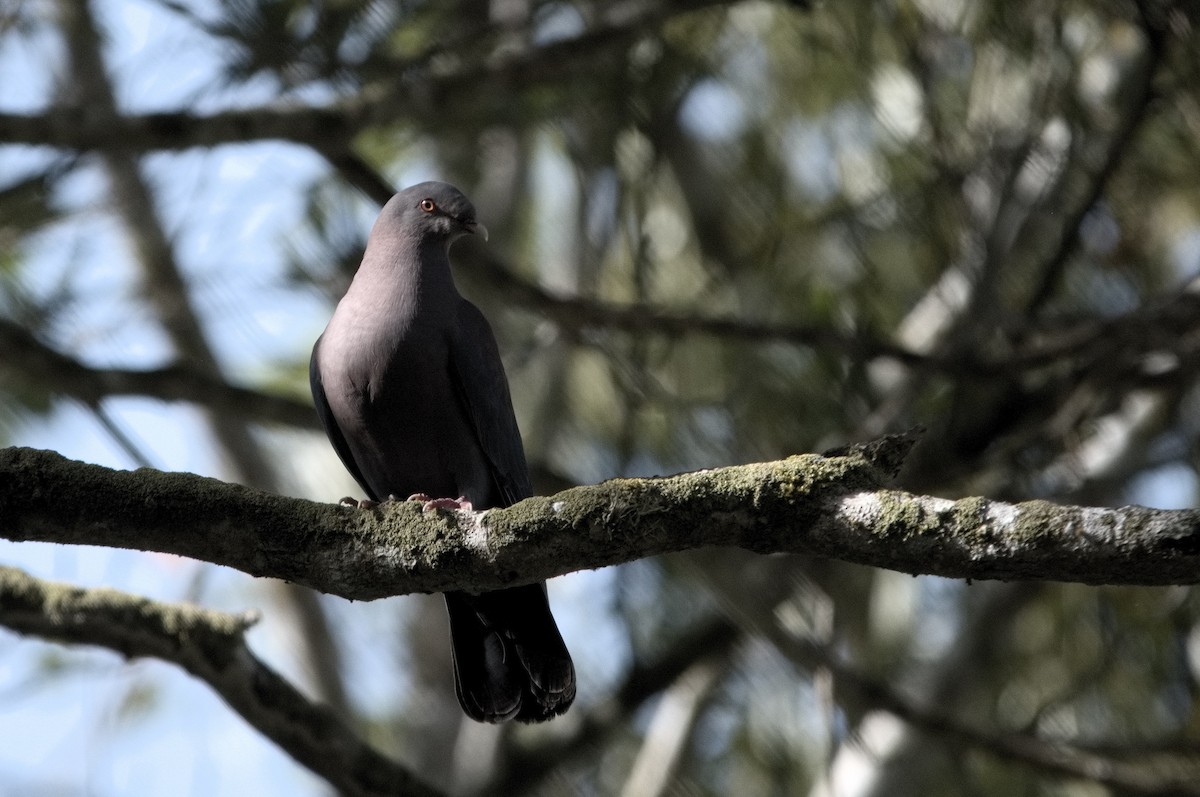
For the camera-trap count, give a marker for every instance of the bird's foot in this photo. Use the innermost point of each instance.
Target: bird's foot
(365, 503)
(428, 503)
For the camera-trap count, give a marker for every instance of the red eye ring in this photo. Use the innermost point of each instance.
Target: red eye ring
(428, 206)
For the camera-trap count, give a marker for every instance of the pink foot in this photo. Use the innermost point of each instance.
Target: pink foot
(428, 503)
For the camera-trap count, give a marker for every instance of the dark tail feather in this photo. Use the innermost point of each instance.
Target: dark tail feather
(509, 659)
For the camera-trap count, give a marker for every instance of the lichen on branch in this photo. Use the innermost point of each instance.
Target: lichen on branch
(835, 505)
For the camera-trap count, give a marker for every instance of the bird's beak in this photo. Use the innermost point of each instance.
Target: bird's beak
(475, 228)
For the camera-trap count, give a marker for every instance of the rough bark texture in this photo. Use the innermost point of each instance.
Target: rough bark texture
(833, 506)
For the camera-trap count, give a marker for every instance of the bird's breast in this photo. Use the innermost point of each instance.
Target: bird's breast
(396, 399)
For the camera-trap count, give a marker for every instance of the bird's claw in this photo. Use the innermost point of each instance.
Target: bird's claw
(359, 503)
(428, 504)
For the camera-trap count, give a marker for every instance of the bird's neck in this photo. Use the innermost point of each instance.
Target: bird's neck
(401, 281)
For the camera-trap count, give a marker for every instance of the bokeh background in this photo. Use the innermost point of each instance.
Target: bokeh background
(721, 232)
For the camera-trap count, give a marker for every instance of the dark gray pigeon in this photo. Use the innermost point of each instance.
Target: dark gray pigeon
(408, 382)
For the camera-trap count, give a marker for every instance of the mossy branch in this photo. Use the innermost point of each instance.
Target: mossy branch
(833, 505)
(211, 646)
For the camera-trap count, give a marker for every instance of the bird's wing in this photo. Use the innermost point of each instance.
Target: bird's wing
(482, 388)
(332, 431)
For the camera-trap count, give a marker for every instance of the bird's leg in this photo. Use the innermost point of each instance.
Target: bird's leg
(428, 503)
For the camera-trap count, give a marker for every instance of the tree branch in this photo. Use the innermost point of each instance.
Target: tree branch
(211, 646)
(661, 754)
(28, 360)
(581, 312)
(1176, 776)
(1081, 189)
(78, 128)
(829, 506)
(1165, 324)
(165, 289)
(417, 90)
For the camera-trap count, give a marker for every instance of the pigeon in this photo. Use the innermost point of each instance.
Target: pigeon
(410, 389)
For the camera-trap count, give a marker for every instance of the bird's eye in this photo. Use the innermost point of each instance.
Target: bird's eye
(428, 206)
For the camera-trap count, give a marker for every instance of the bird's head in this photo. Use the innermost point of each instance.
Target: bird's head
(434, 211)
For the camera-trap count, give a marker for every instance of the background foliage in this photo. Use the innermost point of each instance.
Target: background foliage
(721, 232)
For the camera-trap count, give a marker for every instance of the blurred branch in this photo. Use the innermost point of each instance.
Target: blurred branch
(828, 506)
(1166, 324)
(360, 174)
(161, 282)
(419, 90)
(123, 441)
(1171, 773)
(1050, 755)
(1020, 249)
(28, 360)
(714, 638)
(211, 646)
(577, 312)
(1080, 191)
(932, 712)
(674, 720)
(80, 128)
(1170, 326)
(165, 289)
(198, 374)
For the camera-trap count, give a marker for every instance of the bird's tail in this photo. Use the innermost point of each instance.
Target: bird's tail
(509, 658)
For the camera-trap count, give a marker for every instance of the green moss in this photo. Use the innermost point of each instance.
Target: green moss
(903, 517)
(520, 519)
(405, 527)
(1035, 519)
(968, 520)
(798, 474)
